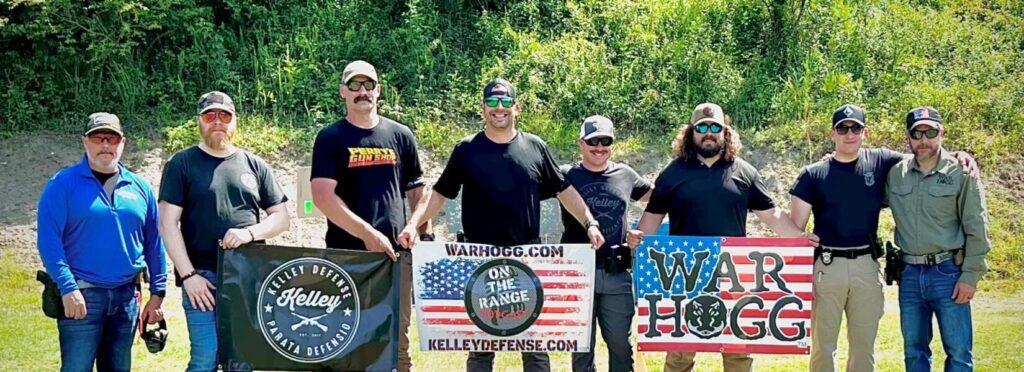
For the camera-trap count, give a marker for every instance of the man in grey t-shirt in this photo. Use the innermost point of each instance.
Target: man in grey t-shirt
(210, 198)
(606, 188)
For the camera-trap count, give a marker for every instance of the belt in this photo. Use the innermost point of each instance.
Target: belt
(928, 259)
(827, 253)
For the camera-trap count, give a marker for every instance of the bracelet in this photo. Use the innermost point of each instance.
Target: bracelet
(251, 235)
(189, 275)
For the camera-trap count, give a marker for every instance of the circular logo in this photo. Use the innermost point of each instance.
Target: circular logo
(504, 297)
(249, 180)
(705, 316)
(309, 309)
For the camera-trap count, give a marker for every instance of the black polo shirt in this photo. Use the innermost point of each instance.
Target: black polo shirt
(846, 198)
(708, 201)
(503, 186)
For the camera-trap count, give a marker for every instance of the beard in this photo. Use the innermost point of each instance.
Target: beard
(218, 143)
(707, 150)
(925, 151)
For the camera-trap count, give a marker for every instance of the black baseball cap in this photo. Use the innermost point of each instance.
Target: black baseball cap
(924, 115)
(102, 121)
(509, 89)
(848, 112)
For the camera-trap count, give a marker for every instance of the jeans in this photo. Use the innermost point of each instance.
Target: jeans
(927, 290)
(202, 330)
(614, 314)
(105, 335)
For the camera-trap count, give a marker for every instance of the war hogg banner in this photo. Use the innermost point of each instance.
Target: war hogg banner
(476, 297)
(291, 308)
(740, 295)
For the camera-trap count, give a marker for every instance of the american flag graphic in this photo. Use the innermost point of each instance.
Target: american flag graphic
(440, 281)
(701, 257)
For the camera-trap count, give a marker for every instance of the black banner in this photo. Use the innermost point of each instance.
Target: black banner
(292, 308)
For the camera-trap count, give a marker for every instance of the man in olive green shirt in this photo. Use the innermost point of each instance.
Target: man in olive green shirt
(942, 227)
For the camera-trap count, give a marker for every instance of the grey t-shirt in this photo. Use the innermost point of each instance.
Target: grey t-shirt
(607, 195)
(217, 194)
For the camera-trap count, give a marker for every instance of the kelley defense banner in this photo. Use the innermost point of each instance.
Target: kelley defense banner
(739, 295)
(291, 308)
(477, 297)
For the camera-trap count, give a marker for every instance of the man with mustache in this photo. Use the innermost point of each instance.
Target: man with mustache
(96, 232)
(606, 187)
(707, 191)
(364, 166)
(210, 199)
(845, 194)
(505, 173)
(942, 227)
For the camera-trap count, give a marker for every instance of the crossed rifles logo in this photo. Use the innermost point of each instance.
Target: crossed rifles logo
(313, 320)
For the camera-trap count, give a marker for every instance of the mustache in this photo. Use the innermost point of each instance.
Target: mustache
(363, 97)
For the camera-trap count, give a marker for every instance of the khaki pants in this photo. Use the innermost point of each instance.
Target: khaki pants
(404, 310)
(731, 362)
(853, 286)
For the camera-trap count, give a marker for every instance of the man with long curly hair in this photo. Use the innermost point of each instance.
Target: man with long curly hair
(706, 191)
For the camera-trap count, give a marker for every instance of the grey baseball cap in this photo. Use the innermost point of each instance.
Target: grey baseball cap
(597, 126)
(102, 121)
(216, 100)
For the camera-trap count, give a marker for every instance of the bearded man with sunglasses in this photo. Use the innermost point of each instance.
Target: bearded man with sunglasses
(606, 187)
(96, 232)
(210, 199)
(706, 191)
(505, 173)
(845, 193)
(364, 167)
(942, 227)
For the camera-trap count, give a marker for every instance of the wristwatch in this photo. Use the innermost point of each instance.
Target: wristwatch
(427, 237)
(161, 294)
(593, 223)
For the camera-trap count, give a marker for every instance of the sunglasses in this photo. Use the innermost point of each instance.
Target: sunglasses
(354, 85)
(844, 129)
(210, 116)
(917, 134)
(703, 128)
(506, 102)
(602, 141)
(112, 139)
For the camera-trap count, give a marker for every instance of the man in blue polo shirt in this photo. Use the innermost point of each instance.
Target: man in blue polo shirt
(97, 230)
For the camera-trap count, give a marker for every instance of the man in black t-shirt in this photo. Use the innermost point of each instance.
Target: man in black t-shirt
(706, 191)
(845, 193)
(505, 173)
(606, 187)
(364, 166)
(210, 198)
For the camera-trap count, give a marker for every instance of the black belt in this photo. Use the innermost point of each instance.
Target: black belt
(827, 254)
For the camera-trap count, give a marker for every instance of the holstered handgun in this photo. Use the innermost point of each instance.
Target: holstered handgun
(893, 263)
(53, 303)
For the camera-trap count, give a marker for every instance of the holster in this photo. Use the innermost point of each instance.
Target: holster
(619, 262)
(893, 263)
(52, 303)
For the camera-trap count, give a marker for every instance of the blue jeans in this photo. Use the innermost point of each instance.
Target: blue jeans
(105, 335)
(927, 290)
(202, 330)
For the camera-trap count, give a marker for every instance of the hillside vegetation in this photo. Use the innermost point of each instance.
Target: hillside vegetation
(779, 67)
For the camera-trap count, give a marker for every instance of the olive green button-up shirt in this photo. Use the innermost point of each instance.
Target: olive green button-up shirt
(940, 211)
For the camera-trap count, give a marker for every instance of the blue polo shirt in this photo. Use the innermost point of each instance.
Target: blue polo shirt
(84, 235)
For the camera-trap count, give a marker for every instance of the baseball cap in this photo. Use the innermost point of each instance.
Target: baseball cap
(597, 126)
(216, 100)
(924, 115)
(707, 112)
(358, 68)
(103, 121)
(848, 112)
(509, 89)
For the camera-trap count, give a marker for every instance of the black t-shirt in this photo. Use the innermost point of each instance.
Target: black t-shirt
(504, 184)
(846, 197)
(708, 201)
(374, 168)
(606, 195)
(217, 194)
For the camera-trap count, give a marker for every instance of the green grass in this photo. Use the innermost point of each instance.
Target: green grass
(29, 340)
